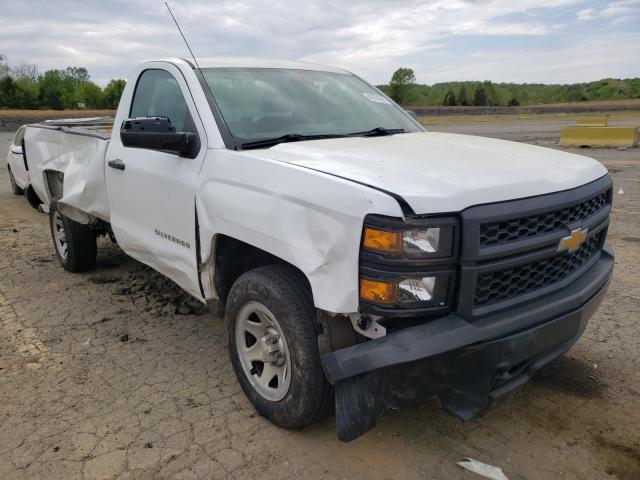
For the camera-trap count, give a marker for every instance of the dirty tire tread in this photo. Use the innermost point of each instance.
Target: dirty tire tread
(81, 240)
(310, 397)
(14, 186)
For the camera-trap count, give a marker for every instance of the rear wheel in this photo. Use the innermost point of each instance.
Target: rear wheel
(75, 243)
(273, 346)
(14, 186)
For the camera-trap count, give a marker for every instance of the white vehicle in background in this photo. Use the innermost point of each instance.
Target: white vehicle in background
(359, 257)
(17, 165)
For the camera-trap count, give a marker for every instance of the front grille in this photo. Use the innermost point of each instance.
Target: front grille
(492, 287)
(504, 231)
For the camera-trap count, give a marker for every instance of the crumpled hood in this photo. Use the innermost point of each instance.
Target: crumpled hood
(442, 172)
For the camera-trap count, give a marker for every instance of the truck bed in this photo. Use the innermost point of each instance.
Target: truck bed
(96, 126)
(75, 148)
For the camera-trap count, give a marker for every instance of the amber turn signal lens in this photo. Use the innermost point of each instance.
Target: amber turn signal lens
(378, 292)
(382, 240)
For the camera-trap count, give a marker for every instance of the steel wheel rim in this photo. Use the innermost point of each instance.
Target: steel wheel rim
(263, 351)
(59, 235)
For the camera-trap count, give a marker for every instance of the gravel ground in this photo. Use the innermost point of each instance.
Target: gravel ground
(114, 373)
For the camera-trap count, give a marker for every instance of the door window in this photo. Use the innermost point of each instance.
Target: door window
(158, 94)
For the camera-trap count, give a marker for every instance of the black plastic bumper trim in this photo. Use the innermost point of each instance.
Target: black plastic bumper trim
(452, 332)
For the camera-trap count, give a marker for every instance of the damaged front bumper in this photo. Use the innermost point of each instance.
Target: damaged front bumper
(467, 366)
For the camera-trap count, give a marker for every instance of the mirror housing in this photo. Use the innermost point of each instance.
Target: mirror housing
(157, 133)
(412, 114)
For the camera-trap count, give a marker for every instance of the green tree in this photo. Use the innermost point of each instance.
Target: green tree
(53, 89)
(113, 92)
(27, 93)
(76, 75)
(89, 94)
(462, 96)
(7, 92)
(493, 94)
(402, 84)
(449, 99)
(514, 102)
(480, 96)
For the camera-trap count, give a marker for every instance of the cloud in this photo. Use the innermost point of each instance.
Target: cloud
(587, 14)
(609, 54)
(457, 38)
(621, 10)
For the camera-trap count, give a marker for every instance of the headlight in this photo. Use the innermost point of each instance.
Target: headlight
(408, 266)
(429, 242)
(413, 292)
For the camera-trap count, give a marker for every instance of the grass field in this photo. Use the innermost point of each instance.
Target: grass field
(612, 116)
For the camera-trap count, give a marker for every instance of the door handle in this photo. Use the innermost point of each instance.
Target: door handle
(117, 164)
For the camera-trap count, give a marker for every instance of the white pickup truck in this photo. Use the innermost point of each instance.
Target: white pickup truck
(358, 258)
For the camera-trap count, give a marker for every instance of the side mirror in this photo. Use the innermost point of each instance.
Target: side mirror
(16, 149)
(157, 133)
(412, 114)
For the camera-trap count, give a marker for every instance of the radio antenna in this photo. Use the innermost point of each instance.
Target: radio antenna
(203, 80)
(183, 37)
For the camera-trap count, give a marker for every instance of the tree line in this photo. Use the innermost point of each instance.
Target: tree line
(404, 89)
(25, 86)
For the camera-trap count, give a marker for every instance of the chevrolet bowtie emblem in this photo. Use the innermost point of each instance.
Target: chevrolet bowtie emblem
(572, 242)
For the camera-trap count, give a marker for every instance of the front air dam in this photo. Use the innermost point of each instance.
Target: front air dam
(467, 366)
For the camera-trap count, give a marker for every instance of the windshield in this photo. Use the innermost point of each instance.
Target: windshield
(269, 103)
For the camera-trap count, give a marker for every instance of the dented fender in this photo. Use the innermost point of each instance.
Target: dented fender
(309, 219)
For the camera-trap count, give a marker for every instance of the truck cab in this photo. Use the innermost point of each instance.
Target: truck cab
(358, 258)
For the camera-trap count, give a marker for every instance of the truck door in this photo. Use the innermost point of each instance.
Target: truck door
(152, 192)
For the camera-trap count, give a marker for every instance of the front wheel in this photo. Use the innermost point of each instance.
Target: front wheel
(273, 346)
(75, 243)
(14, 186)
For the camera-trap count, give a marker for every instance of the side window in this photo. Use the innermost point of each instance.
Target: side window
(158, 94)
(19, 136)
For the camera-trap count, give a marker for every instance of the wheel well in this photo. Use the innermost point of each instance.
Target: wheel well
(54, 182)
(235, 257)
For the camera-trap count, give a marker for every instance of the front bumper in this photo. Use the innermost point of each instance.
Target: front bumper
(466, 365)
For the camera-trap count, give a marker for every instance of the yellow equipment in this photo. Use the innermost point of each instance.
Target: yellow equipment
(599, 136)
(591, 122)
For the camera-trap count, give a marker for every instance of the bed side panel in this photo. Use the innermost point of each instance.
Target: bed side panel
(80, 157)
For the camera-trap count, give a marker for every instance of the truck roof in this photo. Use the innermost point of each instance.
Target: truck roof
(250, 62)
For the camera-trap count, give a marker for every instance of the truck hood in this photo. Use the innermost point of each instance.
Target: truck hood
(442, 172)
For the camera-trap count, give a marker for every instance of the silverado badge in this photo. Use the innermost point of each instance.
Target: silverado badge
(572, 242)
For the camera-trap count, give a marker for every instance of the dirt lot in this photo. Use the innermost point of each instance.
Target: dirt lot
(114, 374)
(582, 108)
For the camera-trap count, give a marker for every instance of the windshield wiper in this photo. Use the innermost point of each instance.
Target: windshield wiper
(297, 137)
(289, 137)
(378, 132)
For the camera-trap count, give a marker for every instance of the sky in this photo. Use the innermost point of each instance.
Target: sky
(535, 41)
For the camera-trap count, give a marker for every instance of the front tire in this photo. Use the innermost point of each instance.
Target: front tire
(75, 243)
(14, 186)
(272, 333)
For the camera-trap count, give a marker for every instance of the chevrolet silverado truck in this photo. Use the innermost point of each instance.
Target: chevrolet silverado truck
(360, 260)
